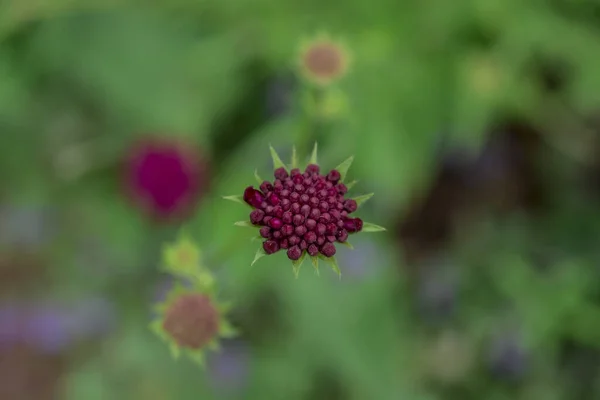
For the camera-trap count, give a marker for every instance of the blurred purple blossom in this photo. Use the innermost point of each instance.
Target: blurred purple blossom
(52, 327)
(10, 321)
(228, 369)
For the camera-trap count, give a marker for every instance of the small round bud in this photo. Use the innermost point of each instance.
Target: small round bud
(273, 199)
(333, 176)
(342, 235)
(300, 230)
(284, 244)
(287, 217)
(312, 169)
(294, 253)
(256, 216)
(321, 229)
(266, 187)
(305, 210)
(294, 240)
(304, 199)
(310, 224)
(341, 188)
(295, 172)
(312, 250)
(265, 232)
(286, 204)
(275, 223)
(315, 213)
(253, 197)
(328, 250)
(287, 230)
(270, 246)
(281, 173)
(310, 237)
(303, 245)
(298, 219)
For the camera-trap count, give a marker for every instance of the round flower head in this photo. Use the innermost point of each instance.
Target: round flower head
(165, 177)
(323, 60)
(191, 320)
(304, 211)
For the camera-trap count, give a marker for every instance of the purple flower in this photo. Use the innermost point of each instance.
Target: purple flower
(165, 177)
(47, 328)
(10, 325)
(228, 368)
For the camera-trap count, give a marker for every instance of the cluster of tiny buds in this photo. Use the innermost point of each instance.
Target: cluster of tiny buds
(303, 212)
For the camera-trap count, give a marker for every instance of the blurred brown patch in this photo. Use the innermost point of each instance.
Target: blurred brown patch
(501, 179)
(20, 270)
(26, 374)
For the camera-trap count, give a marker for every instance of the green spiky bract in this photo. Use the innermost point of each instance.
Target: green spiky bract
(343, 169)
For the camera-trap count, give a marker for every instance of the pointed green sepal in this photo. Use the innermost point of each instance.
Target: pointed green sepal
(198, 357)
(175, 352)
(362, 199)
(296, 264)
(313, 156)
(260, 253)
(369, 227)
(255, 238)
(332, 261)
(258, 178)
(350, 185)
(348, 245)
(277, 163)
(245, 224)
(294, 158)
(344, 167)
(315, 263)
(236, 198)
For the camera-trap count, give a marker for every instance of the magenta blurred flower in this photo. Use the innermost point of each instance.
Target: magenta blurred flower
(165, 177)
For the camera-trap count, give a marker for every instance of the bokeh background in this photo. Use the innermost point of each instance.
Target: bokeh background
(475, 122)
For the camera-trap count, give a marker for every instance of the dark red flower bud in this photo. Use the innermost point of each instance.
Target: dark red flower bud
(294, 253)
(256, 216)
(342, 235)
(310, 237)
(312, 250)
(281, 174)
(253, 197)
(270, 246)
(266, 187)
(353, 225)
(265, 232)
(312, 169)
(275, 223)
(311, 224)
(328, 250)
(333, 176)
(287, 230)
(341, 188)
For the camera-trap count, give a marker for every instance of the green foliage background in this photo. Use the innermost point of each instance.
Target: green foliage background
(79, 80)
